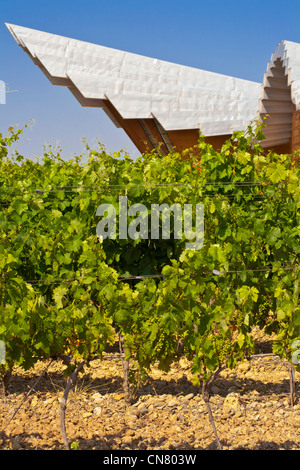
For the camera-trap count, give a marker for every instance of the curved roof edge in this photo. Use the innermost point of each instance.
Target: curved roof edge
(138, 87)
(289, 54)
(138, 92)
(280, 95)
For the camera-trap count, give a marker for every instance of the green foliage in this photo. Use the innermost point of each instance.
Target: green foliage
(60, 291)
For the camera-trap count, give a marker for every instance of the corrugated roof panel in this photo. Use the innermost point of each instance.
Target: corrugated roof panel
(141, 87)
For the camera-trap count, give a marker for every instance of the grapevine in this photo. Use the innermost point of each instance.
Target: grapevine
(64, 292)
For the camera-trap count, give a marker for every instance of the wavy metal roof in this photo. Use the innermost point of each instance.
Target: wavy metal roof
(179, 97)
(281, 92)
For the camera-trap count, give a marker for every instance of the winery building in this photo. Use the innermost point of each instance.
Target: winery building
(166, 105)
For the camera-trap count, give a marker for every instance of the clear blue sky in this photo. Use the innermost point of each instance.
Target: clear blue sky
(232, 37)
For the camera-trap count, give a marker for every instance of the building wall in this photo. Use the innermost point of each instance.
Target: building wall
(146, 135)
(295, 142)
(183, 139)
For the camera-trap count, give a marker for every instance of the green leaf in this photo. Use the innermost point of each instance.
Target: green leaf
(241, 340)
(58, 294)
(280, 314)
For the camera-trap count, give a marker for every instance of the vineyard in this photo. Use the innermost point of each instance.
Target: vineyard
(149, 306)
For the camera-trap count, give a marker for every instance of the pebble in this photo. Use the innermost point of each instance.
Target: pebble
(159, 404)
(142, 408)
(119, 396)
(14, 443)
(34, 401)
(232, 401)
(97, 397)
(243, 366)
(172, 403)
(188, 397)
(97, 411)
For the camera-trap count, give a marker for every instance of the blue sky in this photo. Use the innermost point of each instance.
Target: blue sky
(230, 37)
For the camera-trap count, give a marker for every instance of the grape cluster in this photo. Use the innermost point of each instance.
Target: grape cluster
(224, 348)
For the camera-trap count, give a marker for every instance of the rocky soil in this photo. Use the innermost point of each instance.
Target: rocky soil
(250, 405)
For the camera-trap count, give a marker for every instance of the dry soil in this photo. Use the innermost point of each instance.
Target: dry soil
(250, 405)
